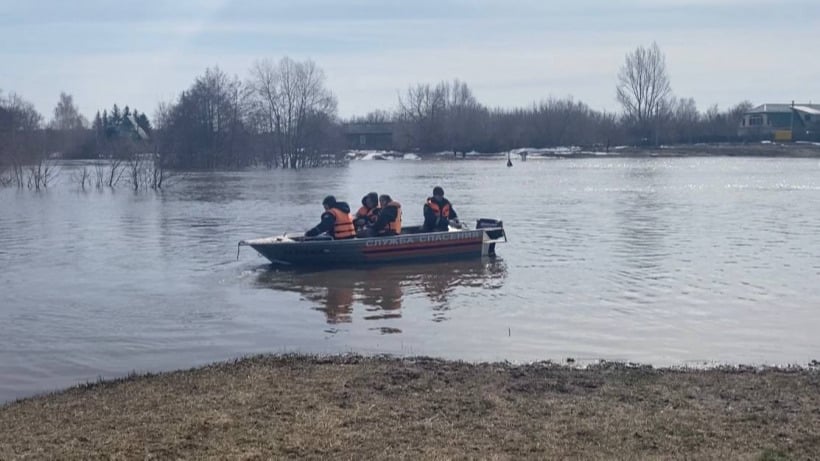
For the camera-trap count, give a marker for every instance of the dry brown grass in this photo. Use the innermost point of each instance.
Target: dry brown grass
(363, 408)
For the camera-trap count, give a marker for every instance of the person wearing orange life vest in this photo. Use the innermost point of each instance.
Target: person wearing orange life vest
(389, 221)
(368, 213)
(438, 212)
(335, 222)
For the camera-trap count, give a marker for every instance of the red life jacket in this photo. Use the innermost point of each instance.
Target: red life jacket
(440, 211)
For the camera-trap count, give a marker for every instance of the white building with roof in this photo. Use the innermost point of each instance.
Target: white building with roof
(783, 122)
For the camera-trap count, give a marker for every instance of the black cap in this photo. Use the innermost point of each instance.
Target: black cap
(438, 190)
(329, 200)
(373, 196)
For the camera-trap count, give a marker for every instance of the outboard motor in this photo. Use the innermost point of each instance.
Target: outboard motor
(492, 236)
(495, 224)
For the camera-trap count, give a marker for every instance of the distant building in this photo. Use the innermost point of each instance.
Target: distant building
(781, 122)
(136, 128)
(369, 136)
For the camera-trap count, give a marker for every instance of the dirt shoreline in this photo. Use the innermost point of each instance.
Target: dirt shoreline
(352, 407)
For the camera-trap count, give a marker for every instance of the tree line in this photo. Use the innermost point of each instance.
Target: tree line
(283, 115)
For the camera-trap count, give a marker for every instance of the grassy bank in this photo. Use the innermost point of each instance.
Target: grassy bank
(360, 408)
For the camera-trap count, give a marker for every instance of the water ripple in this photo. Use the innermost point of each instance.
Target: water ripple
(664, 261)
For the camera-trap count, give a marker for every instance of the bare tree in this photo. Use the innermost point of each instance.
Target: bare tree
(375, 116)
(559, 122)
(289, 94)
(722, 126)
(204, 127)
(643, 89)
(66, 115)
(463, 117)
(82, 177)
(19, 146)
(41, 174)
(267, 97)
(684, 120)
(67, 133)
(157, 172)
(734, 115)
(135, 167)
(422, 109)
(19, 114)
(108, 173)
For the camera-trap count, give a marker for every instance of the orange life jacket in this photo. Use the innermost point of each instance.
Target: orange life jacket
(394, 225)
(370, 215)
(343, 225)
(440, 211)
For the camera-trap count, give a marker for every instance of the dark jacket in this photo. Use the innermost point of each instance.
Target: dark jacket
(366, 216)
(387, 215)
(328, 221)
(433, 222)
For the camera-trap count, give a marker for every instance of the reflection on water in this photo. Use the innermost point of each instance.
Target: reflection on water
(642, 229)
(660, 261)
(380, 291)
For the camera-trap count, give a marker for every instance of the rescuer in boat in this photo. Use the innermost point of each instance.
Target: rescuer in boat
(336, 220)
(439, 213)
(389, 220)
(367, 214)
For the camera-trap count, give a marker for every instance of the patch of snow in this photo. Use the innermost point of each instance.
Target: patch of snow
(562, 150)
(371, 155)
(375, 156)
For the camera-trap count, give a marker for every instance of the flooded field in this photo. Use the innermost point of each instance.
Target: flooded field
(662, 261)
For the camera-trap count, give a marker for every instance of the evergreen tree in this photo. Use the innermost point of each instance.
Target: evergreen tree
(97, 126)
(106, 125)
(113, 123)
(144, 123)
(116, 116)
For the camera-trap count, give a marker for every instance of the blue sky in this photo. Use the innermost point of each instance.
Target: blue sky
(511, 53)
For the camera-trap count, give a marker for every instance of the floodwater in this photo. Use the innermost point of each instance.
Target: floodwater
(662, 261)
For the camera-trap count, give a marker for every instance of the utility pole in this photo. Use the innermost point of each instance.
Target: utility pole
(791, 122)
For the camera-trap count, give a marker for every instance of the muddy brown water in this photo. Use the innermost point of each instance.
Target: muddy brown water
(678, 261)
